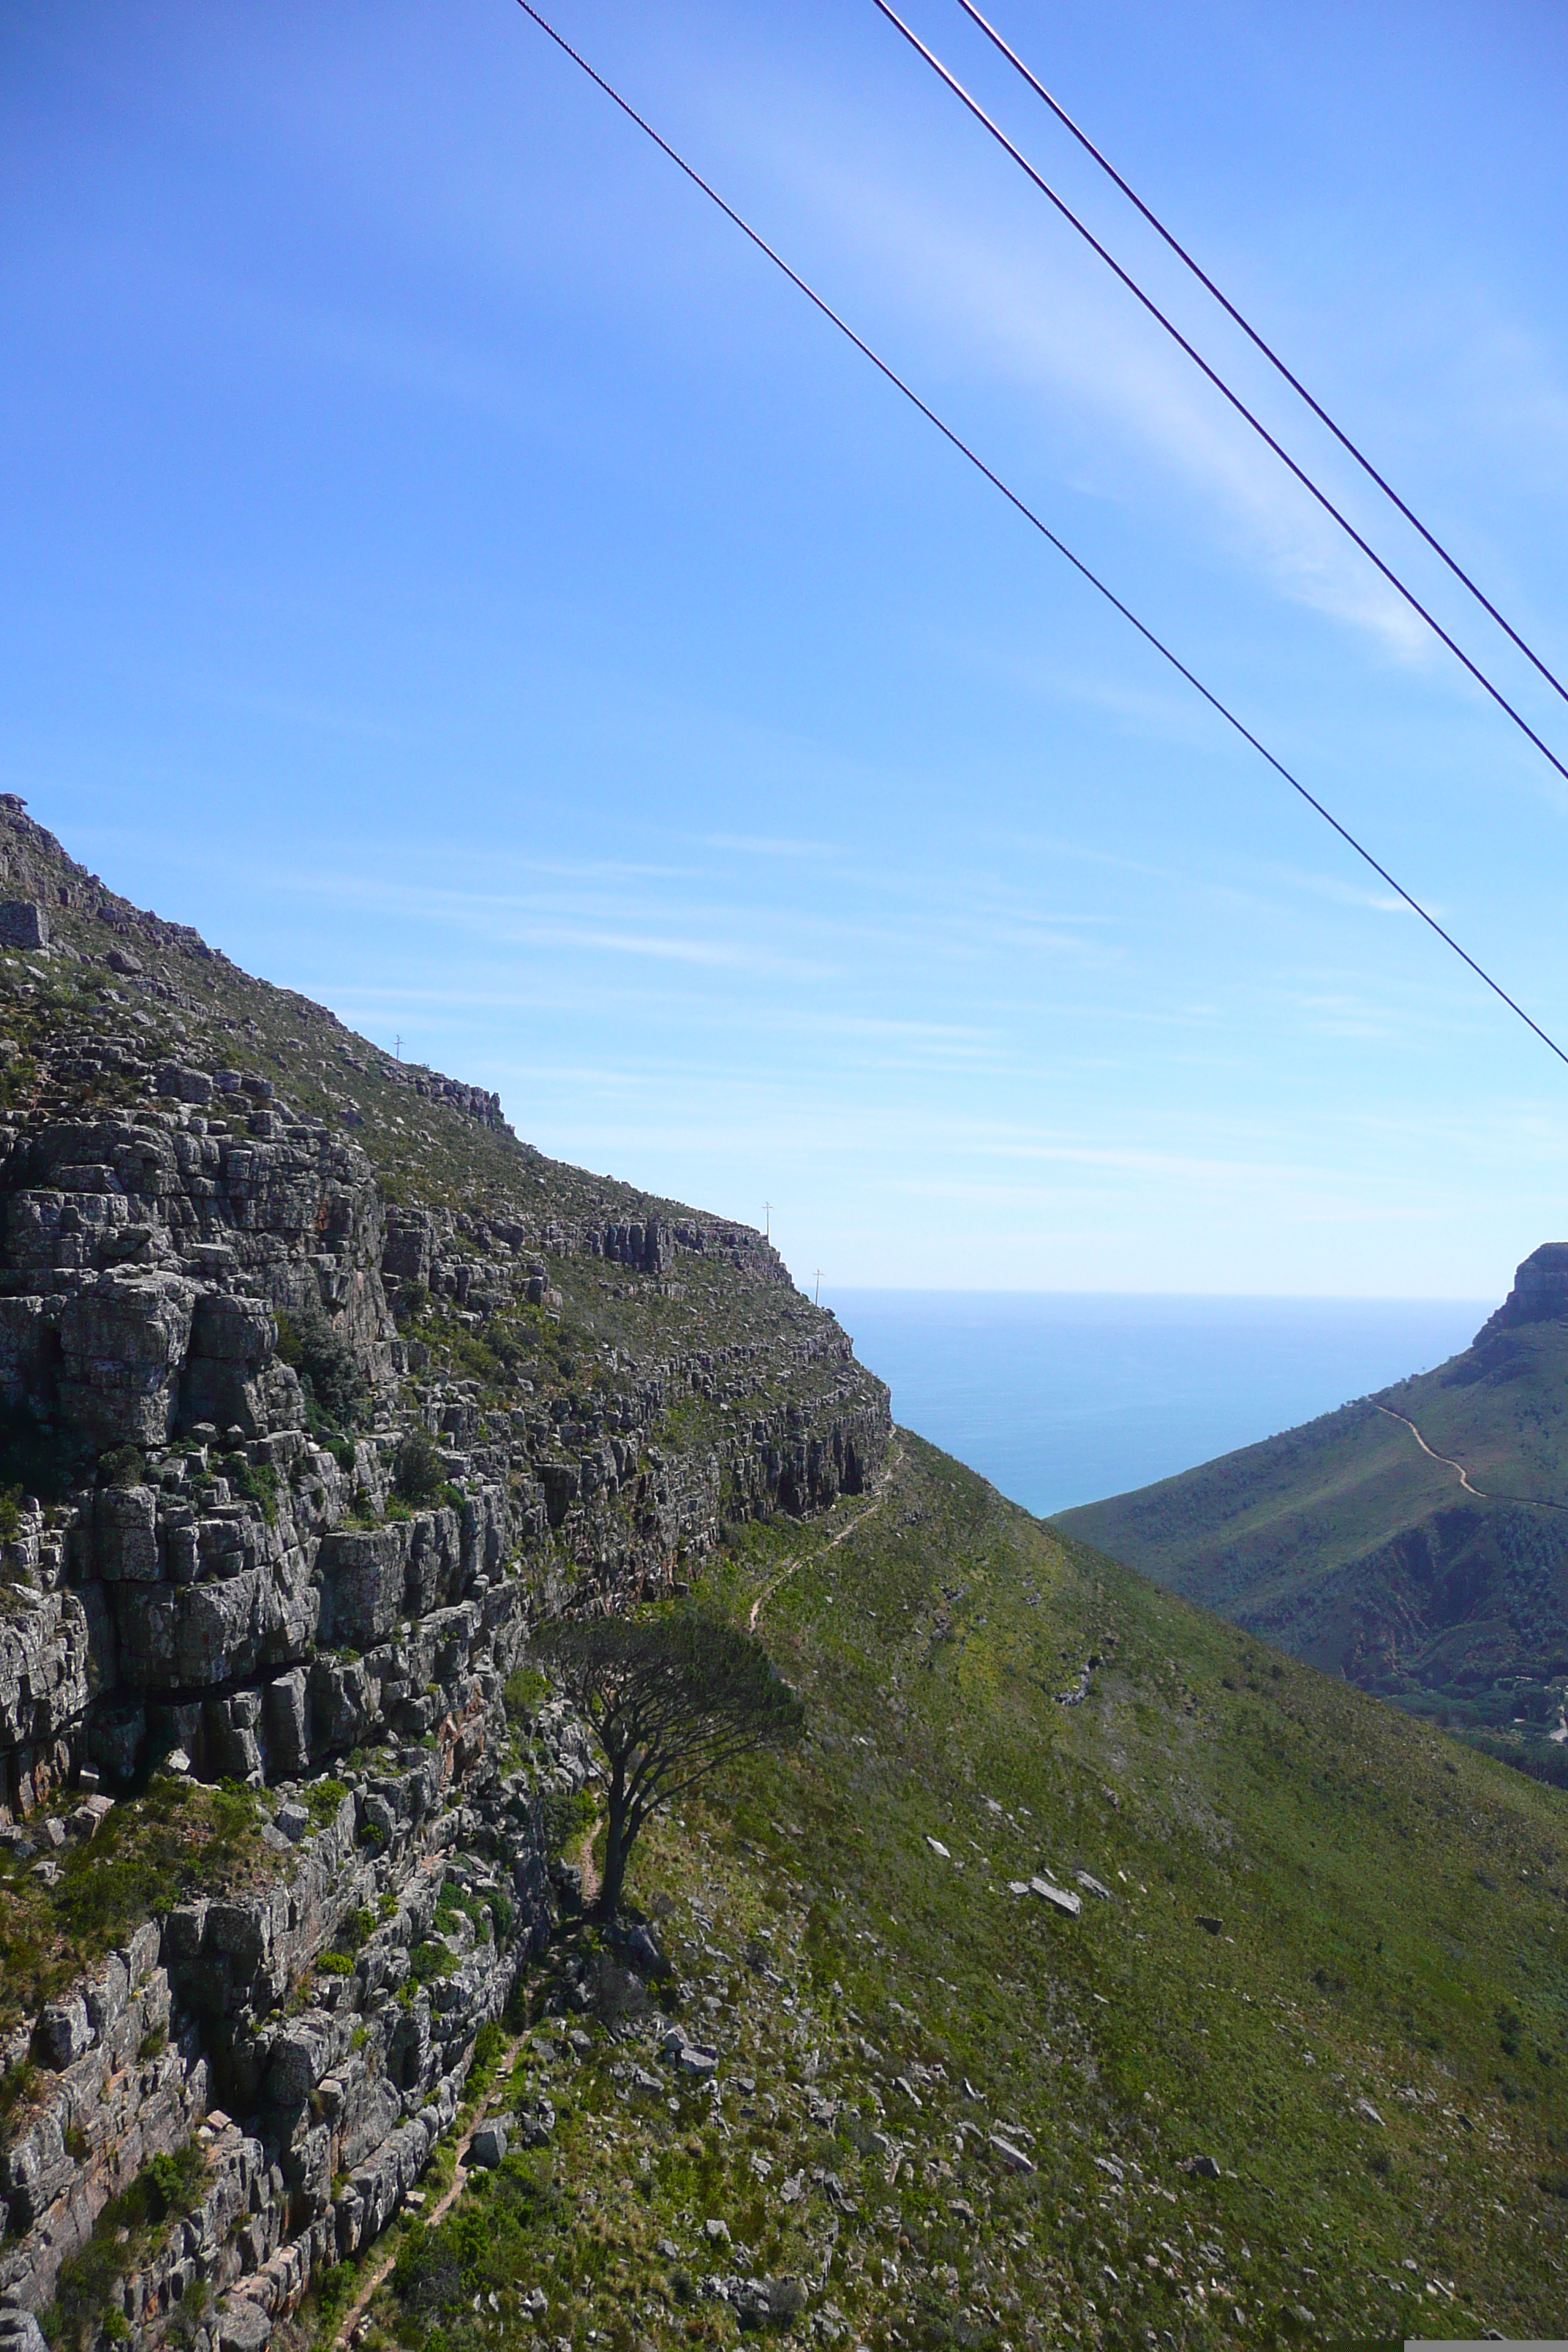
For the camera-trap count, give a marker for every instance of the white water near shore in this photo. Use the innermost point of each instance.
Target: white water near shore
(1061, 1397)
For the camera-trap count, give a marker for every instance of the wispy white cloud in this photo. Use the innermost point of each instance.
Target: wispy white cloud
(1040, 319)
(750, 845)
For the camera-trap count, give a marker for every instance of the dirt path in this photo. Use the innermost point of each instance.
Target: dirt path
(880, 1496)
(1448, 1463)
(1531, 1502)
(589, 1868)
(383, 2269)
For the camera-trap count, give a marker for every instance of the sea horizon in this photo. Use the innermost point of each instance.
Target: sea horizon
(1066, 1397)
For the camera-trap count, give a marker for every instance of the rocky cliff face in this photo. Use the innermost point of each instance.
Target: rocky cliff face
(302, 1435)
(1540, 1293)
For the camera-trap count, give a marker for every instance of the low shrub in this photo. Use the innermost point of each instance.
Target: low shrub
(337, 1394)
(130, 2228)
(566, 1817)
(253, 1482)
(354, 1933)
(524, 1693)
(324, 1799)
(122, 1466)
(420, 1474)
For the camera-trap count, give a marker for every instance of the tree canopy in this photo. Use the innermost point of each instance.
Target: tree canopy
(670, 1699)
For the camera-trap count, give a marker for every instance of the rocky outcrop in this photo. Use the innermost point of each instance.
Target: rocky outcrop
(199, 1289)
(1540, 1293)
(344, 2087)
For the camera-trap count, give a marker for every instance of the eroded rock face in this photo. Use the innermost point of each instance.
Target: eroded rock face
(48, 1657)
(123, 1341)
(231, 1611)
(230, 1376)
(354, 2089)
(143, 1265)
(1540, 1292)
(212, 1585)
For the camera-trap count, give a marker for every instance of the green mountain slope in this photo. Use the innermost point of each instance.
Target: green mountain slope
(318, 1391)
(1347, 1542)
(1329, 1957)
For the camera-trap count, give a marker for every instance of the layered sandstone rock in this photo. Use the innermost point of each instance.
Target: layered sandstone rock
(224, 1579)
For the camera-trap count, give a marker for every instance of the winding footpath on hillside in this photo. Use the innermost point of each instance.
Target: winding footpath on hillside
(884, 1484)
(1531, 1502)
(1446, 1460)
(381, 2270)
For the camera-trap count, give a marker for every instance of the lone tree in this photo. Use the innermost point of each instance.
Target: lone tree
(669, 1700)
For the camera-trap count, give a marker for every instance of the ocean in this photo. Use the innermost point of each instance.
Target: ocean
(1062, 1397)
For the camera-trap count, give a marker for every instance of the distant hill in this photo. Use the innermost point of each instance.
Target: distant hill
(1441, 1583)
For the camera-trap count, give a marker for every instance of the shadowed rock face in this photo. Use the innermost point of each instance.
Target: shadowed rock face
(218, 1574)
(124, 1342)
(1540, 1293)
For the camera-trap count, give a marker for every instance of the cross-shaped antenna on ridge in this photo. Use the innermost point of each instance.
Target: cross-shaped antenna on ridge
(768, 1215)
(817, 1293)
(397, 1047)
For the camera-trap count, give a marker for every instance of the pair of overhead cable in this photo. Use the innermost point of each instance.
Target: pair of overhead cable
(1252, 418)
(1035, 521)
(1270, 353)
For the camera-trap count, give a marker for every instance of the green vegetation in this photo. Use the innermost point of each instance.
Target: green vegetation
(253, 1482)
(1346, 1543)
(356, 1930)
(566, 1817)
(323, 1798)
(454, 1900)
(420, 1474)
(337, 1395)
(1326, 1958)
(18, 1082)
(177, 1839)
(491, 2239)
(18, 2085)
(672, 1699)
(525, 1690)
(129, 2232)
(123, 1465)
(1320, 1913)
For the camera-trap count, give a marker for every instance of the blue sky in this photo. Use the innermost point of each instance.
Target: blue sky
(440, 560)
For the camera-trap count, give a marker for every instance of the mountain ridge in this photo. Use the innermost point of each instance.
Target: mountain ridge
(1416, 1541)
(1092, 1975)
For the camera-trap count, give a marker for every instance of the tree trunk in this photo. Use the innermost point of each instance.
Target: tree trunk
(617, 1846)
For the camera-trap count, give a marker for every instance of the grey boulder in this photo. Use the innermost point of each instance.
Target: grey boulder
(487, 2146)
(244, 2326)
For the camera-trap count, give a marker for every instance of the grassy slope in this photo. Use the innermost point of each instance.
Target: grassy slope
(1251, 1528)
(1347, 1543)
(1390, 1898)
(1393, 1910)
